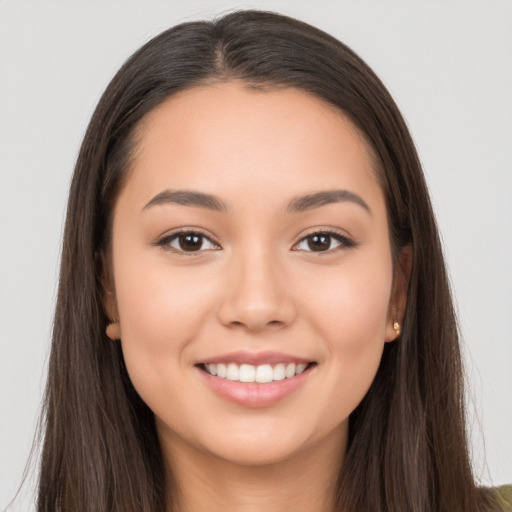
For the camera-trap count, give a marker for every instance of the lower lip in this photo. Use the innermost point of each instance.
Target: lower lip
(254, 394)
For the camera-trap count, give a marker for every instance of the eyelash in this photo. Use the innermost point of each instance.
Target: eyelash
(166, 241)
(344, 241)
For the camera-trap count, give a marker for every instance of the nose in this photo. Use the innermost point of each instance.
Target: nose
(257, 295)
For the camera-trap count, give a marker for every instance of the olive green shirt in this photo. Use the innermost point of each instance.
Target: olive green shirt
(504, 494)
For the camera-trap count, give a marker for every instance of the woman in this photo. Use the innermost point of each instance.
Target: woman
(253, 310)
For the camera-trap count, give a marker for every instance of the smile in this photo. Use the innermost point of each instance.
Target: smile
(255, 380)
(248, 373)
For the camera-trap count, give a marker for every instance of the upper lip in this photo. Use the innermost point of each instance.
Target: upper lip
(255, 358)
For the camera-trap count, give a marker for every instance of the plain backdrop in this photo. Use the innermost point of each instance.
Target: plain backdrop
(449, 66)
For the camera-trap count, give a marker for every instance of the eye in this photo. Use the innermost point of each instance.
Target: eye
(188, 241)
(324, 241)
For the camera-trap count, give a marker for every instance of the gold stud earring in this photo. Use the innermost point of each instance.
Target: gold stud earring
(396, 327)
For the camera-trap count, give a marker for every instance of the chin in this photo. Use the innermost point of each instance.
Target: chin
(271, 442)
(257, 453)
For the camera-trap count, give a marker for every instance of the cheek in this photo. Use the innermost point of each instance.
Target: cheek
(159, 306)
(351, 318)
(350, 302)
(161, 311)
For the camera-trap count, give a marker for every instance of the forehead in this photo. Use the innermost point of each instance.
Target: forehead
(225, 137)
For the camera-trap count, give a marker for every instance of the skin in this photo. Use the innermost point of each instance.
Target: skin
(257, 286)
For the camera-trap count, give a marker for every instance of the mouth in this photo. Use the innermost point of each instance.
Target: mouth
(261, 374)
(255, 380)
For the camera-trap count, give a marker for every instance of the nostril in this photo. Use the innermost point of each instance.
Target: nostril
(255, 324)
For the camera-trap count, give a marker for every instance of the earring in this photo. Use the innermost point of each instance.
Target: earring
(396, 327)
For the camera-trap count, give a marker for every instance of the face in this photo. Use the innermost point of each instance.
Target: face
(252, 272)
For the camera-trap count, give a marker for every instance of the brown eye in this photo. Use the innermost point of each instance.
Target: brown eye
(188, 241)
(319, 242)
(324, 241)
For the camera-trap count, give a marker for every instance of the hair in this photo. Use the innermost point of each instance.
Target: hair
(407, 448)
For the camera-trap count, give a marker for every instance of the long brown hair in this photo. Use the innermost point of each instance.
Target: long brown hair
(407, 446)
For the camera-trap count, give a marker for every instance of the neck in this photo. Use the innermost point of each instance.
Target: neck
(303, 483)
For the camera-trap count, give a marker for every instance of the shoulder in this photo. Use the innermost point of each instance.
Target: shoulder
(504, 498)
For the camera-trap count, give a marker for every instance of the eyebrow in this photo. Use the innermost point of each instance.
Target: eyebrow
(310, 201)
(296, 205)
(187, 198)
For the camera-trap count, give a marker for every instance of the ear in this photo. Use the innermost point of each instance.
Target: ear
(113, 329)
(398, 299)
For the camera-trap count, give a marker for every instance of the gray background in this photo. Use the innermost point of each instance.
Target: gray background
(448, 65)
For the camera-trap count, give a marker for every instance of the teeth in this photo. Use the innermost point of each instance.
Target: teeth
(264, 373)
(248, 373)
(279, 371)
(290, 370)
(300, 368)
(232, 372)
(221, 370)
